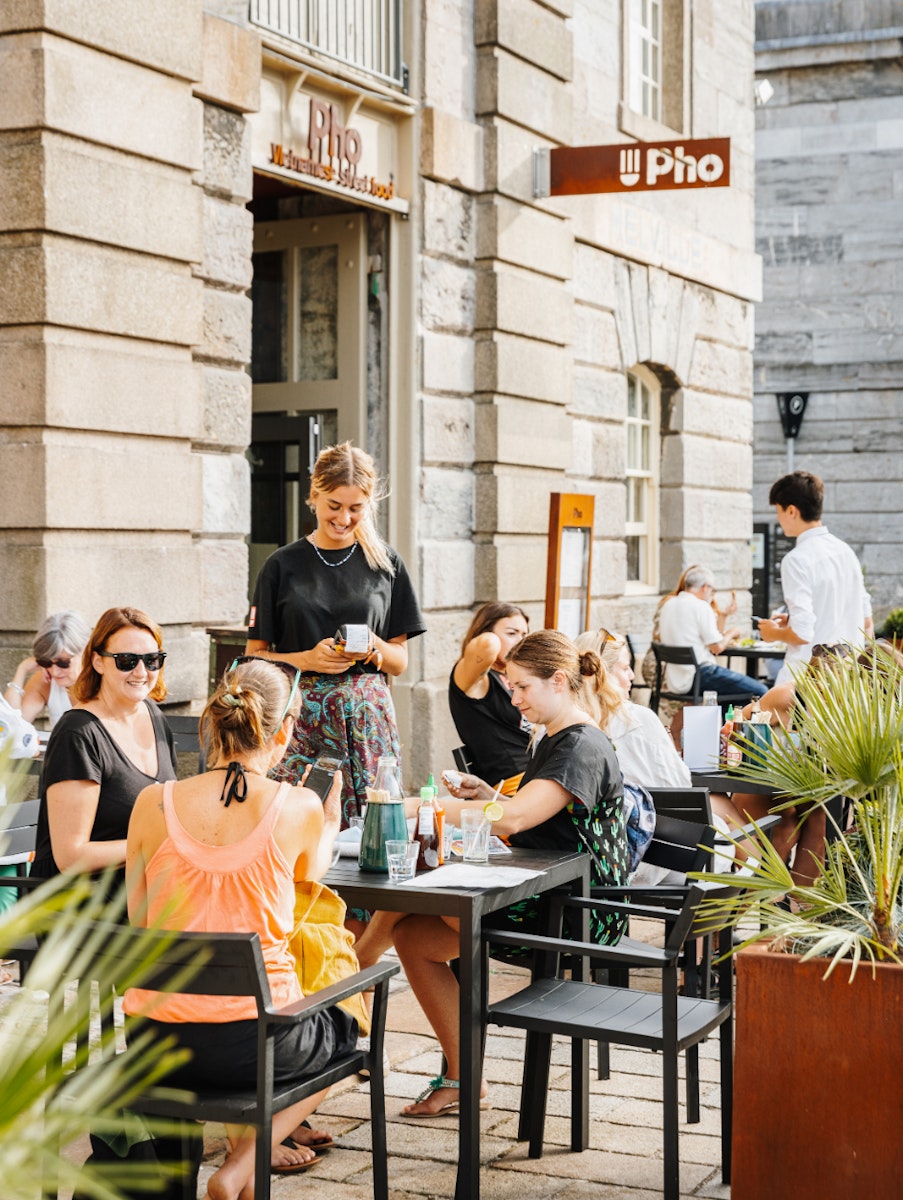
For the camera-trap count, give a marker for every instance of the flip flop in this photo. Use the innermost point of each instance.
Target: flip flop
(322, 1143)
(295, 1168)
(447, 1110)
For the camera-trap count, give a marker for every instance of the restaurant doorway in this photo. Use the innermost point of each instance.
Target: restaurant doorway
(308, 365)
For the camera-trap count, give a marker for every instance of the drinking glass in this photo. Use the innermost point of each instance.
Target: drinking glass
(476, 836)
(448, 836)
(402, 860)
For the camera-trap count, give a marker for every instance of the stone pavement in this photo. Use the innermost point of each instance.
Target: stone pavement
(623, 1162)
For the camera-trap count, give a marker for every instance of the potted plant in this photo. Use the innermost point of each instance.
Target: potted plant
(892, 629)
(45, 1106)
(818, 1083)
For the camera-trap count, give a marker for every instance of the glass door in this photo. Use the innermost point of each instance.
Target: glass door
(308, 365)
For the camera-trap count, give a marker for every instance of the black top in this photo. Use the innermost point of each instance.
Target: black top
(582, 759)
(492, 729)
(299, 601)
(81, 748)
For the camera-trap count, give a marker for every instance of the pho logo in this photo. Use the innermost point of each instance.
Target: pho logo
(630, 166)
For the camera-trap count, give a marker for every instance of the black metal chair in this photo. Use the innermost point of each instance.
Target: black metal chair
(582, 1011)
(231, 964)
(18, 838)
(682, 656)
(463, 759)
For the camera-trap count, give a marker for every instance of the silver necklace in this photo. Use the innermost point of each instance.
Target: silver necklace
(326, 562)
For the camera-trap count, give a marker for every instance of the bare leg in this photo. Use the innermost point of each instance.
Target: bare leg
(723, 808)
(425, 946)
(810, 847)
(755, 807)
(377, 937)
(235, 1178)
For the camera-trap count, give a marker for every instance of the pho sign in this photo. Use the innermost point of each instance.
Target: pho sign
(633, 167)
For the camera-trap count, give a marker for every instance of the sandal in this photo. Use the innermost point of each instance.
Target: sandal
(453, 1106)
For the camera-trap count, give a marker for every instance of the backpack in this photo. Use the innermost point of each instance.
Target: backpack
(639, 814)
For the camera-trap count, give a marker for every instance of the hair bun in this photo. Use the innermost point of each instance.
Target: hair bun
(589, 662)
(233, 699)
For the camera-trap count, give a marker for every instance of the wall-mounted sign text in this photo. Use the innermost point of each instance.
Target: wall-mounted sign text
(332, 154)
(633, 167)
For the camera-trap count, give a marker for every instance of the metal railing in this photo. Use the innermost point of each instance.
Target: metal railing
(365, 34)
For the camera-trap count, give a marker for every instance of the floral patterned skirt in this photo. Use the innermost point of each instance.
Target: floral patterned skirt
(350, 717)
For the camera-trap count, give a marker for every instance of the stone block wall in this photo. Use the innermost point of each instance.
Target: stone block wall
(830, 232)
(124, 328)
(546, 304)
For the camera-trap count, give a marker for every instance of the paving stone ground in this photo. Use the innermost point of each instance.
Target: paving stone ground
(622, 1163)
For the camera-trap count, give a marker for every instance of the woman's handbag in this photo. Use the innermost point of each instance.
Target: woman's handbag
(323, 948)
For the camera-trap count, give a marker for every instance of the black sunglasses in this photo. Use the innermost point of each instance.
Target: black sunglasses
(832, 650)
(127, 662)
(47, 663)
(286, 668)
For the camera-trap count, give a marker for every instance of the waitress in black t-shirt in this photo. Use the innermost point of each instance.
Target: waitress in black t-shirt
(102, 753)
(479, 697)
(341, 574)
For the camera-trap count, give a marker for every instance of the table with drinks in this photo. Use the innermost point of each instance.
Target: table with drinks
(369, 886)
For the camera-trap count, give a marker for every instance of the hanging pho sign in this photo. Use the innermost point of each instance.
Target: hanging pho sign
(632, 167)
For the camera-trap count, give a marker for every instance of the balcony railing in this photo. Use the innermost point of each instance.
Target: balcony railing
(365, 34)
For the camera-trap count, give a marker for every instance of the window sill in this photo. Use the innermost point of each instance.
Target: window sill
(644, 129)
(634, 588)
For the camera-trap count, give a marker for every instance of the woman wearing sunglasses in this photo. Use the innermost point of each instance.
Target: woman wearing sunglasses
(104, 752)
(43, 680)
(341, 574)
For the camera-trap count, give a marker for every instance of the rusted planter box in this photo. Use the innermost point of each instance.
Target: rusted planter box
(818, 1081)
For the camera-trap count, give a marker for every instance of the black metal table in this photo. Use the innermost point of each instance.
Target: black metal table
(753, 654)
(721, 781)
(361, 889)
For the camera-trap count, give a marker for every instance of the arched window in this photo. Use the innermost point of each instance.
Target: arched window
(641, 478)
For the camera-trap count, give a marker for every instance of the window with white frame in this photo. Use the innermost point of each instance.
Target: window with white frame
(641, 477)
(645, 68)
(656, 68)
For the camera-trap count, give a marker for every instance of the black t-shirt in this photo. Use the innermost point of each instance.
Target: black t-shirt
(493, 730)
(582, 759)
(81, 748)
(299, 601)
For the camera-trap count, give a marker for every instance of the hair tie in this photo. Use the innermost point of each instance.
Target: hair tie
(233, 699)
(235, 786)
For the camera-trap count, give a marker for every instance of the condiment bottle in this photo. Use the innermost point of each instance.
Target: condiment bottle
(725, 736)
(384, 820)
(440, 818)
(426, 833)
(735, 744)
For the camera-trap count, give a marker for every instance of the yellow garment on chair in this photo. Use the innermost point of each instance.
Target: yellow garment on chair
(323, 948)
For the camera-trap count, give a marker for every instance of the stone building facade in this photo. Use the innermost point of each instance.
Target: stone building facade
(159, 185)
(829, 228)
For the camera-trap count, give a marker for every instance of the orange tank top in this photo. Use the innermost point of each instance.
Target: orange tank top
(247, 887)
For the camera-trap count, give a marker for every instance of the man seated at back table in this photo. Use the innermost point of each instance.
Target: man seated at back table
(687, 619)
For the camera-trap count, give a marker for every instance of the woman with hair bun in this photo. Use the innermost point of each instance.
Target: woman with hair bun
(569, 800)
(341, 574)
(222, 851)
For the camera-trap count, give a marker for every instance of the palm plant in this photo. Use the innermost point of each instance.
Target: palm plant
(44, 1104)
(847, 741)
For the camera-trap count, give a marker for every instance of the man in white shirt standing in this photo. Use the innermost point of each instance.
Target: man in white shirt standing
(688, 619)
(821, 579)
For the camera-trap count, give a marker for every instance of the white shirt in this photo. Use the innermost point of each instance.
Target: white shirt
(685, 620)
(825, 595)
(644, 748)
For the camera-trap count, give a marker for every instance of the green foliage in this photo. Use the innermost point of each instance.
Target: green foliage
(847, 741)
(893, 624)
(45, 1105)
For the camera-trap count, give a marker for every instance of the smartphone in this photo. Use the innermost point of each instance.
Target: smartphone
(320, 776)
(755, 621)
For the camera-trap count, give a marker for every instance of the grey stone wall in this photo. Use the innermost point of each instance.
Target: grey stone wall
(124, 252)
(830, 232)
(532, 312)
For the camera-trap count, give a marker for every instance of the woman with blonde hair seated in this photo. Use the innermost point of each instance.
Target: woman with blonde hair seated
(645, 751)
(222, 851)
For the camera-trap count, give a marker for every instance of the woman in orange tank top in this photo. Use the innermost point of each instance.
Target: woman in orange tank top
(222, 852)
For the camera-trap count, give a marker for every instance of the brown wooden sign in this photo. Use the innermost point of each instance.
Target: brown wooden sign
(639, 166)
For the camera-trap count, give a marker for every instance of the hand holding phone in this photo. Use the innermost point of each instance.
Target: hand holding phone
(320, 776)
